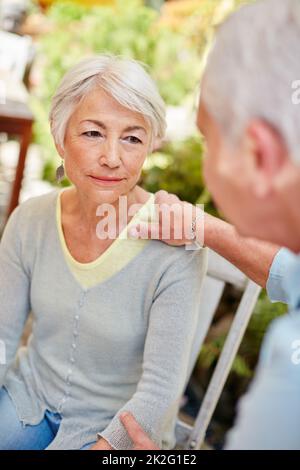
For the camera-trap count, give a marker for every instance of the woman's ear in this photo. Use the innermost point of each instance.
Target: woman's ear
(60, 150)
(269, 153)
(58, 147)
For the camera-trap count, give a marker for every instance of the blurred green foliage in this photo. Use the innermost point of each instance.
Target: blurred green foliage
(128, 29)
(245, 361)
(177, 168)
(181, 175)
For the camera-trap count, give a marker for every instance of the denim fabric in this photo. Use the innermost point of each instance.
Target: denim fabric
(16, 436)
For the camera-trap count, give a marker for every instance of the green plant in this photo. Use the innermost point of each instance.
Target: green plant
(245, 361)
(211, 351)
(177, 168)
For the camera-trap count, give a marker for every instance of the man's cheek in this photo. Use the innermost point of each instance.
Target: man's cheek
(216, 186)
(211, 175)
(207, 170)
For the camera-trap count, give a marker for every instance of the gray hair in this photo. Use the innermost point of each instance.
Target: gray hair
(124, 79)
(254, 69)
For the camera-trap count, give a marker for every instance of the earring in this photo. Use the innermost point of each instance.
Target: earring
(60, 172)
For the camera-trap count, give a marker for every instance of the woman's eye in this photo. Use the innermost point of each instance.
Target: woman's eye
(92, 134)
(133, 140)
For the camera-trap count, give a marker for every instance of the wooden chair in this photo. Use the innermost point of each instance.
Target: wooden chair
(219, 273)
(15, 115)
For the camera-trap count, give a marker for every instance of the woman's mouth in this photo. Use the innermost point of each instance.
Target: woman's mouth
(105, 180)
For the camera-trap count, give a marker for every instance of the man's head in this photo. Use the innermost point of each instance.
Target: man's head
(249, 114)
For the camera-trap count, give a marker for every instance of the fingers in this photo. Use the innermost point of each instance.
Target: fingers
(163, 197)
(134, 430)
(171, 224)
(136, 433)
(160, 196)
(154, 231)
(145, 231)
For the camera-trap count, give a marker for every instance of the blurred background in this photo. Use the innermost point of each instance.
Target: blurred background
(39, 41)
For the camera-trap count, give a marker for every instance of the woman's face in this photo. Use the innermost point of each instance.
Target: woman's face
(105, 147)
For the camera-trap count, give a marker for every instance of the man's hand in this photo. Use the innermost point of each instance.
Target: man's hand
(174, 226)
(252, 257)
(138, 436)
(102, 444)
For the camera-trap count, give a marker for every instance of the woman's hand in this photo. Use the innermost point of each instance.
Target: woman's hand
(176, 219)
(138, 436)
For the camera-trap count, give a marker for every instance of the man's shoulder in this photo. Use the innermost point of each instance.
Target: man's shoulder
(281, 346)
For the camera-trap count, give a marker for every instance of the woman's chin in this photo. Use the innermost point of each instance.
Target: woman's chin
(106, 196)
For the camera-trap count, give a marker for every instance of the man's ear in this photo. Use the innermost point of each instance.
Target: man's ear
(269, 154)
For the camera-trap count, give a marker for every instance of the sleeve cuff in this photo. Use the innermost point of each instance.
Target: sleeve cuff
(115, 434)
(278, 270)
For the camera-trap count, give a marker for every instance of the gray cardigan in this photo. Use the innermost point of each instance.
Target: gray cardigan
(123, 344)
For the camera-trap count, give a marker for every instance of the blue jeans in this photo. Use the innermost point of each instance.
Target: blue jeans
(15, 436)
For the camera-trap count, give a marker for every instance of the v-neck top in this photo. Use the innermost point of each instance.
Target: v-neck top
(118, 254)
(124, 343)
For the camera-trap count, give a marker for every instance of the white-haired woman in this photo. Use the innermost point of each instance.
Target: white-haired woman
(113, 318)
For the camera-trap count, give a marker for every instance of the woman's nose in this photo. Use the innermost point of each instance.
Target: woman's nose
(110, 154)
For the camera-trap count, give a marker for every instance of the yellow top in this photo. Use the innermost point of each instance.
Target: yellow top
(117, 255)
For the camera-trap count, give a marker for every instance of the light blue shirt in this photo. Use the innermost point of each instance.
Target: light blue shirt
(269, 414)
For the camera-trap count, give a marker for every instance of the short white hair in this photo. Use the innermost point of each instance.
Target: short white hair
(252, 70)
(124, 79)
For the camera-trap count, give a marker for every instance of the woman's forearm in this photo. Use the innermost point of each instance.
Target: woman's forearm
(253, 257)
(14, 292)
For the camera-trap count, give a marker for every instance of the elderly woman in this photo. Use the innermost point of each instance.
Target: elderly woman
(113, 317)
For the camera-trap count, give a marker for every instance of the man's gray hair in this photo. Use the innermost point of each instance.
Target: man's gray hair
(253, 71)
(124, 79)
